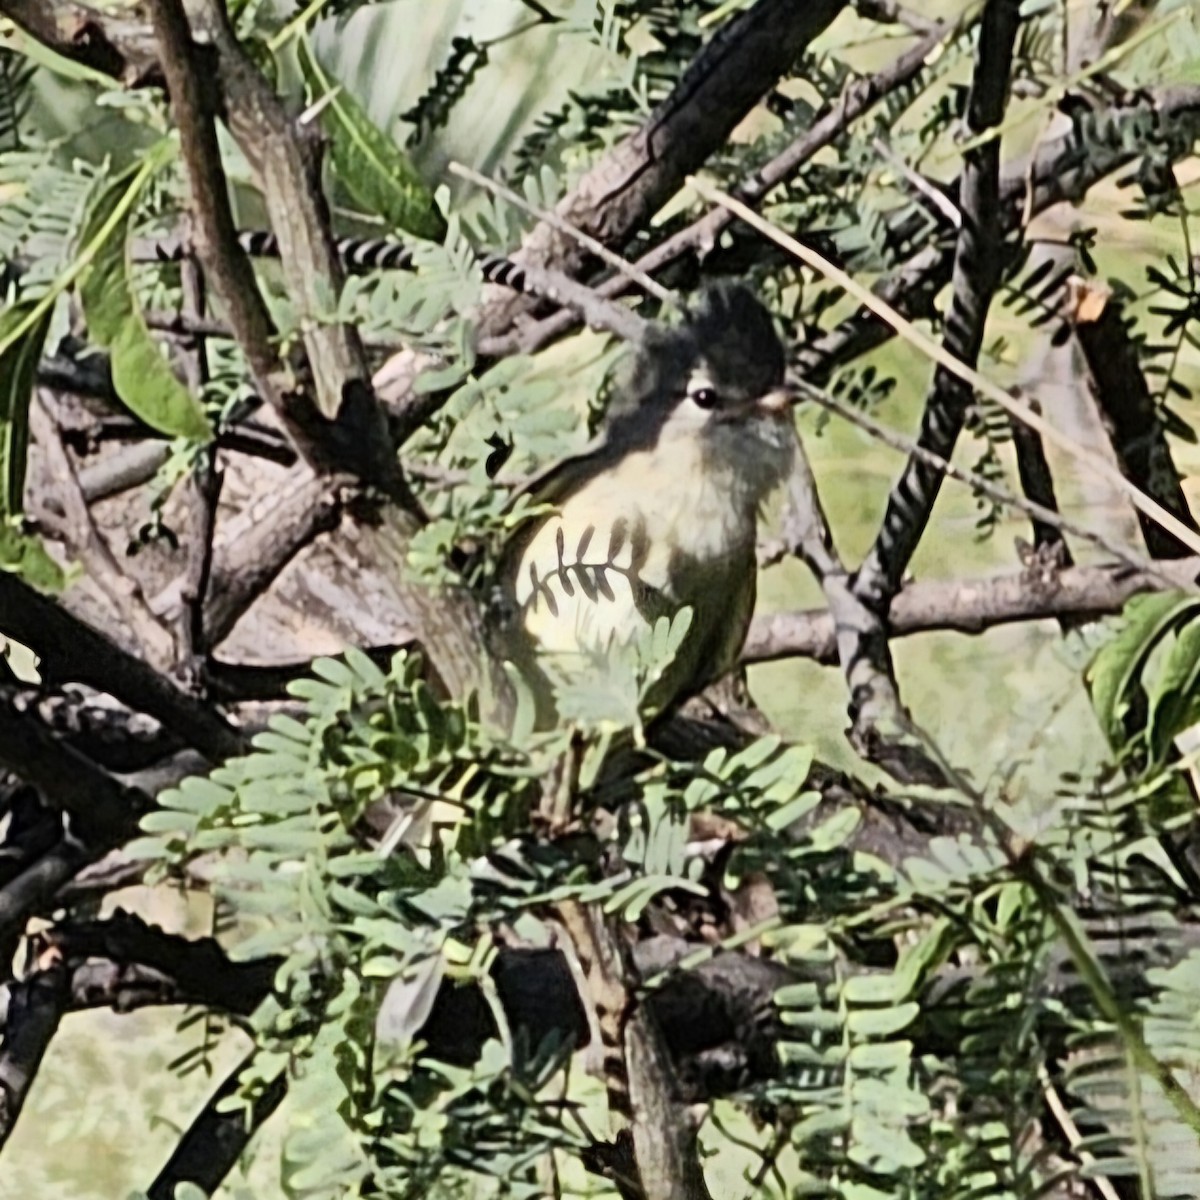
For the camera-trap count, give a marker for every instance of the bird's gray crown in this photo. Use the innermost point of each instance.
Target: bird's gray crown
(728, 332)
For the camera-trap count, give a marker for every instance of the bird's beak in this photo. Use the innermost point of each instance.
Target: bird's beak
(778, 401)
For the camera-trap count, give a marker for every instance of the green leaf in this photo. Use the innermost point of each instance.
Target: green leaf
(408, 1001)
(1119, 662)
(1174, 696)
(26, 556)
(376, 172)
(142, 377)
(882, 1022)
(18, 375)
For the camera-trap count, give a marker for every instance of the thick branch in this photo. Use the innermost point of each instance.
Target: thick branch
(216, 1138)
(974, 606)
(103, 811)
(1131, 418)
(189, 971)
(72, 651)
(879, 722)
(701, 235)
(625, 187)
(111, 44)
(345, 429)
(630, 183)
(35, 1008)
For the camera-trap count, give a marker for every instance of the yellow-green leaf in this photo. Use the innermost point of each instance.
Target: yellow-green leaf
(376, 172)
(18, 374)
(142, 377)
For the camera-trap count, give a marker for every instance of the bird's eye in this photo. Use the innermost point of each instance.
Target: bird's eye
(705, 397)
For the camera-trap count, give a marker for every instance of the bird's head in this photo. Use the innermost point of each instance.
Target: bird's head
(718, 378)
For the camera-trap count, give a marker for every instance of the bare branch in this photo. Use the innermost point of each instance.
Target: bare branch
(107, 42)
(216, 1138)
(1128, 411)
(103, 811)
(72, 651)
(194, 106)
(86, 539)
(974, 605)
(36, 886)
(262, 540)
(345, 428)
(1059, 169)
(205, 485)
(701, 235)
(35, 1008)
(976, 273)
(191, 971)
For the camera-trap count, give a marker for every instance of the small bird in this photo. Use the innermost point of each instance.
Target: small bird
(661, 511)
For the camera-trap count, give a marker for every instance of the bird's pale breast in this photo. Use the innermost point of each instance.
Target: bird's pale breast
(639, 541)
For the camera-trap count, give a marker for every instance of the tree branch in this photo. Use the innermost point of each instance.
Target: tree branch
(1129, 413)
(103, 811)
(974, 605)
(72, 651)
(701, 235)
(345, 429)
(629, 183)
(216, 1138)
(111, 44)
(83, 536)
(879, 722)
(35, 1008)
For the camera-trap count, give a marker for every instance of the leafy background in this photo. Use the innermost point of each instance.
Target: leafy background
(1028, 709)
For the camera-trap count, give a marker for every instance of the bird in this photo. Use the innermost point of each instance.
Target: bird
(660, 512)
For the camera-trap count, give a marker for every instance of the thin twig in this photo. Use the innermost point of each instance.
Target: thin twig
(985, 487)
(946, 208)
(649, 286)
(1062, 1115)
(909, 332)
(205, 489)
(973, 606)
(89, 543)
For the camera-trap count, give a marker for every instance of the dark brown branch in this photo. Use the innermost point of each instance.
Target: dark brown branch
(72, 651)
(103, 811)
(35, 1008)
(1037, 485)
(104, 41)
(36, 885)
(879, 722)
(85, 538)
(630, 183)
(888, 12)
(974, 605)
(1129, 413)
(341, 424)
(976, 274)
(701, 235)
(216, 1138)
(191, 971)
(625, 187)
